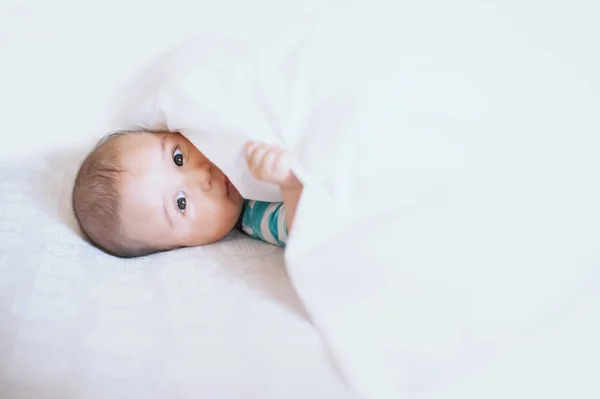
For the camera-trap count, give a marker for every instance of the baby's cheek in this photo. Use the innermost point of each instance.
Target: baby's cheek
(229, 215)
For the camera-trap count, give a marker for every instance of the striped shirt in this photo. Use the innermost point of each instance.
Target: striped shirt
(265, 221)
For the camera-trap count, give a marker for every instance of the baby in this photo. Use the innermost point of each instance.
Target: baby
(144, 191)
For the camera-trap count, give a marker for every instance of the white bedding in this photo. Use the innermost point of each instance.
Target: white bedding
(221, 321)
(215, 322)
(480, 279)
(448, 231)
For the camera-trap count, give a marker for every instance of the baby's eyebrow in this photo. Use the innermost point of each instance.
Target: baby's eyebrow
(167, 213)
(163, 148)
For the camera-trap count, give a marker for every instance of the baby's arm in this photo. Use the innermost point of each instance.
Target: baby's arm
(270, 163)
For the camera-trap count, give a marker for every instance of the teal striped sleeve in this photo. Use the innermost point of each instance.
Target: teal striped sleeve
(265, 221)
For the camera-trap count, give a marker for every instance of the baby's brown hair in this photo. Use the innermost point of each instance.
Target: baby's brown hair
(96, 200)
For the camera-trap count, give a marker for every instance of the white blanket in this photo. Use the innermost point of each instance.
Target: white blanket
(221, 321)
(446, 241)
(448, 231)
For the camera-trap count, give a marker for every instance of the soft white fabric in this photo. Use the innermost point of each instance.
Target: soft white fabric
(215, 322)
(222, 321)
(451, 147)
(449, 151)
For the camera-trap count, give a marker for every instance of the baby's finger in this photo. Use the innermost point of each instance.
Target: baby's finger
(270, 162)
(282, 171)
(251, 151)
(250, 147)
(255, 160)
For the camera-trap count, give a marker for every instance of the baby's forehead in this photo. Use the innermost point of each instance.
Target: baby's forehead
(140, 204)
(144, 181)
(135, 139)
(139, 149)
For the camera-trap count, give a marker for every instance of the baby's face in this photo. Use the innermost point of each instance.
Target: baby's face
(171, 194)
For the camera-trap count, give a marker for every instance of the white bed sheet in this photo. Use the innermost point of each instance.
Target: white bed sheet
(63, 64)
(222, 321)
(216, 322)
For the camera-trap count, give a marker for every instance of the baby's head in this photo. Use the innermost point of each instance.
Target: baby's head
(141, 192)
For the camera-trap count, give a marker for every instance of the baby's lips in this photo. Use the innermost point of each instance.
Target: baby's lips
(229, 187)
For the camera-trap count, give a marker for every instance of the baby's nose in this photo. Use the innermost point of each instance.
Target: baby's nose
(201, 177)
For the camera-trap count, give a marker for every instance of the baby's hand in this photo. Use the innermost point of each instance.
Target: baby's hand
(271, 164)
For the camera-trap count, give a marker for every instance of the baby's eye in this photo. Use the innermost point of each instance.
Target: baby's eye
(178, 157)
(181, 202)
